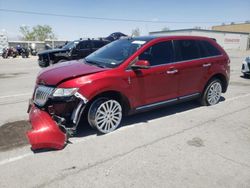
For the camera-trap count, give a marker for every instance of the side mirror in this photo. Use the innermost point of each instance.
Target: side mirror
(141, 64)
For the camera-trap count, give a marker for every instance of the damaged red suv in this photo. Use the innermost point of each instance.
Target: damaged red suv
(124, 77)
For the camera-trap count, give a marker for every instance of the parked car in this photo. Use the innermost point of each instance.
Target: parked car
(73, 50)
(246, 67)
(126, 76)
(115, 36)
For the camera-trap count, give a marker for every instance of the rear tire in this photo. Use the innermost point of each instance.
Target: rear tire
(212, 93)
(105, 114)
(246, 75)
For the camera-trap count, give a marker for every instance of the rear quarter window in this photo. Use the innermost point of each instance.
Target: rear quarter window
(208, 50)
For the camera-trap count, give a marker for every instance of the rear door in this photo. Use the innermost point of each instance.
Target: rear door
(192, 68)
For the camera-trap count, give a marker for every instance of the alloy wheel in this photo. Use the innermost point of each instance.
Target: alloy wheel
(214, 93)
(108, 116)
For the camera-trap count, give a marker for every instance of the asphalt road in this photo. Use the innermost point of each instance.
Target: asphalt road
(17, 80)
(180, 146)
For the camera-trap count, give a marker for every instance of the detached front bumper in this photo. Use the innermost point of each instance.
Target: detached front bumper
(55, 121)
(45, 131)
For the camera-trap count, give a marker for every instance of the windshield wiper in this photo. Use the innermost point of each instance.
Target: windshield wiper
(94, 63)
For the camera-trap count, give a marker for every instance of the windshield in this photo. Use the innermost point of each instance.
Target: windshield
(115, 53)
(70, 45)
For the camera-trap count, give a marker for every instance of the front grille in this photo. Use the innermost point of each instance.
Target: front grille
(42, 94)
(44, 57)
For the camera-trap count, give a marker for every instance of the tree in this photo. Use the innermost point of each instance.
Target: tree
(136, 32)
(39, 32)
(27, 34)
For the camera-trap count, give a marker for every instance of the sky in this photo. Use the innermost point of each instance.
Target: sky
(176, 14)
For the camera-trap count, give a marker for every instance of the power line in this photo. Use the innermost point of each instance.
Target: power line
(103, 18)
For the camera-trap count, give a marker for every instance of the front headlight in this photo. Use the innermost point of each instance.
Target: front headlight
(64, 92)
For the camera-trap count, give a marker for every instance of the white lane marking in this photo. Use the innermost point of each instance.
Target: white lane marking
(6, 161)
(237, 97)
(80, 140)
(17, 95)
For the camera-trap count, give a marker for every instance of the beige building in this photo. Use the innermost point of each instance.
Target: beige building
(241, 27)
(227, 39)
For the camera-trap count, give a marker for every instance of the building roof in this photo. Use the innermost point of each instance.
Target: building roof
(201, 30)
(246, 23)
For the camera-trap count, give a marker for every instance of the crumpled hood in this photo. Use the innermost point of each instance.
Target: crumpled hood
(66, 70)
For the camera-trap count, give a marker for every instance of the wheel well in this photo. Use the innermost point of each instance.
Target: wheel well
(63, 58)
(223, 80)
(123, 100)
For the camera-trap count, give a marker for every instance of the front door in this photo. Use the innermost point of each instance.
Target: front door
(160, 81)
(83, 49)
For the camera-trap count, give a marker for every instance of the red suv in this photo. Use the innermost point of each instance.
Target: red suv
(126, 76)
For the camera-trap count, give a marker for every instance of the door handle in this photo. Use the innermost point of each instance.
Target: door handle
(207, 65)
(172, 71)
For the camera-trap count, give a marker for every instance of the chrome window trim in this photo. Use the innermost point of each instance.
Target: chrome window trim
(177, 62)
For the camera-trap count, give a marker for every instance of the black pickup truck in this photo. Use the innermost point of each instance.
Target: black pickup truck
(73, 50)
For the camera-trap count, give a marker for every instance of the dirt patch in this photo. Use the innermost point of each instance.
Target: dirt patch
(12, 75)
(197, 142)
(12, 135)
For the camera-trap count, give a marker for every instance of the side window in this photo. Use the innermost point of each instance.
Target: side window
(211, 50)
(186, 50)
(160, 53)
(98, 44)
(203, 49)
(84, 45)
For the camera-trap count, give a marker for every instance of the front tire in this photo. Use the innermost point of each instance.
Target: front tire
(105, 115)
(212, 93)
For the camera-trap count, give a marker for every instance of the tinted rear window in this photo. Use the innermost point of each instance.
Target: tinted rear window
(186, 50)
(210, 50)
